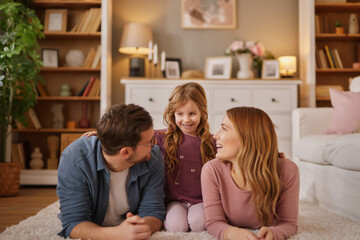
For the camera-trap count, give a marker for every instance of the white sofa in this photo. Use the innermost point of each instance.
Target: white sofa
(329, 164)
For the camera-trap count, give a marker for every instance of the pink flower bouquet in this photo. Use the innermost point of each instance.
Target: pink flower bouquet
(257, 50)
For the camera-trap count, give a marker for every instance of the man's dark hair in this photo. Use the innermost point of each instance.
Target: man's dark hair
(121, 126)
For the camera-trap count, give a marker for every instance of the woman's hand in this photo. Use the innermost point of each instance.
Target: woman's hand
(89, 134)
(235, 233)
(265, 233)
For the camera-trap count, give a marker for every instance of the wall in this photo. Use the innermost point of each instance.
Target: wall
(274, 23)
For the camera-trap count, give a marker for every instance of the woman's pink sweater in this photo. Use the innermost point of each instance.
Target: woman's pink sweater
(226, 205)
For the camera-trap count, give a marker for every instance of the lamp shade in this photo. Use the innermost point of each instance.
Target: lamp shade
(287, 65)
(135, 39)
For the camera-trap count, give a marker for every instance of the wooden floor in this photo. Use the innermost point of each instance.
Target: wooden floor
(28, 202)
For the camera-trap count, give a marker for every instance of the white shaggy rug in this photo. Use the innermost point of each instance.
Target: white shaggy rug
(314, 223)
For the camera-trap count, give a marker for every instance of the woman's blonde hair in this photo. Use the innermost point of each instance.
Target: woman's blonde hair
(173, 135)
(257, 159)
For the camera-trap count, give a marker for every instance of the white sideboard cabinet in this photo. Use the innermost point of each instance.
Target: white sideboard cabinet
(276, 97)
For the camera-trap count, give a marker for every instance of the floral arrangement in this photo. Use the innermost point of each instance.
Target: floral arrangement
(257, 50)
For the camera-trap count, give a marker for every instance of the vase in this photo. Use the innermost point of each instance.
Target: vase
(245, 63)
(84, 122)
(353, 24)
(36, 159)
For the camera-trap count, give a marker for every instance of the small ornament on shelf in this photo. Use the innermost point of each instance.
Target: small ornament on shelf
(36, 159)
(58, 118)
(84, 122)
(75, 58)
(65, 90)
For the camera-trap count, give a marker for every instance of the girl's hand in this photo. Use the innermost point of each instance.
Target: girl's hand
(265, 233)
(89, 134)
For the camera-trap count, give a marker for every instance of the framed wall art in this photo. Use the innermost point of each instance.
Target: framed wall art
(173, 68)
(218, 67)
(50, 57)
(208, 14)
(270, 69)
(55, 20)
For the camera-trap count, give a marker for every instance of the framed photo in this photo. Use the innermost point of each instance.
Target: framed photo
(208, 14)
(218, 67)
(55, 20)
(173, 67)
(270, 69)
(50, 57)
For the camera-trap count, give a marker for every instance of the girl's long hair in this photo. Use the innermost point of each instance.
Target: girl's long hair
(258, 158)
(173, 135)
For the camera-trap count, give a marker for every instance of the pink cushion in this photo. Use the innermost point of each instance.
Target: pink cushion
(346, 114)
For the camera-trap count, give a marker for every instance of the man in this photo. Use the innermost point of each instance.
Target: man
(110, 186)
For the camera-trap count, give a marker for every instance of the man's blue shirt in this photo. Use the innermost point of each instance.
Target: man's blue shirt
(83, 185)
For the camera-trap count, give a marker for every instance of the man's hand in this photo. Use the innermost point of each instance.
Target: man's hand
(89, 134)
(265, 233)
(133, 228)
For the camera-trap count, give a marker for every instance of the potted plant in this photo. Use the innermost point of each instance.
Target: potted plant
(339, 28)
(19, 72)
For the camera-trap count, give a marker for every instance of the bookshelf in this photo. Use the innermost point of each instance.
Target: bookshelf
(75, 77)
(315, 34)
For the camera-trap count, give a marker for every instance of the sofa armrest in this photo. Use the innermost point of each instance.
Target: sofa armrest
(309, 121)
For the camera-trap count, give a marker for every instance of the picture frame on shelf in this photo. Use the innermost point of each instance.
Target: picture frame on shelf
(270, 69)
(173, 67)
(206, 15)
(50, 57)
(55, 20)
(218, 67)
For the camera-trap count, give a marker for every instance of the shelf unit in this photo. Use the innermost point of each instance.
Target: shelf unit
(310, 42)
(54, 77)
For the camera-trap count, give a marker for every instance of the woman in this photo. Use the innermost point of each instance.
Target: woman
(248, 186)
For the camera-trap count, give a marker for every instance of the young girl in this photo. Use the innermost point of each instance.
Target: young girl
(249, 185)
(186, 145)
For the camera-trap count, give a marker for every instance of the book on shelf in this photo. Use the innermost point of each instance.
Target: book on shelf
(94, 89)
(43, 92)
(322, 59)
(30, 124)
(88, 87)
(89, 58)
(324, 24)
(18, 154)
(34, 119)
(97, 57)
(83, 88)
(90, 21)
(86, 20)
(95, 20)
(19, 125)
(317, 24)
(329, 57)
(337, 59)
(79, 23)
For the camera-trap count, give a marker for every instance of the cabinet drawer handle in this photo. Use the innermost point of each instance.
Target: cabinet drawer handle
(151, 100)
(273, 99)
(232, 99)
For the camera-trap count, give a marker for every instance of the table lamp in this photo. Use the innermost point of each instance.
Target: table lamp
(134, 41)
(287, 66)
